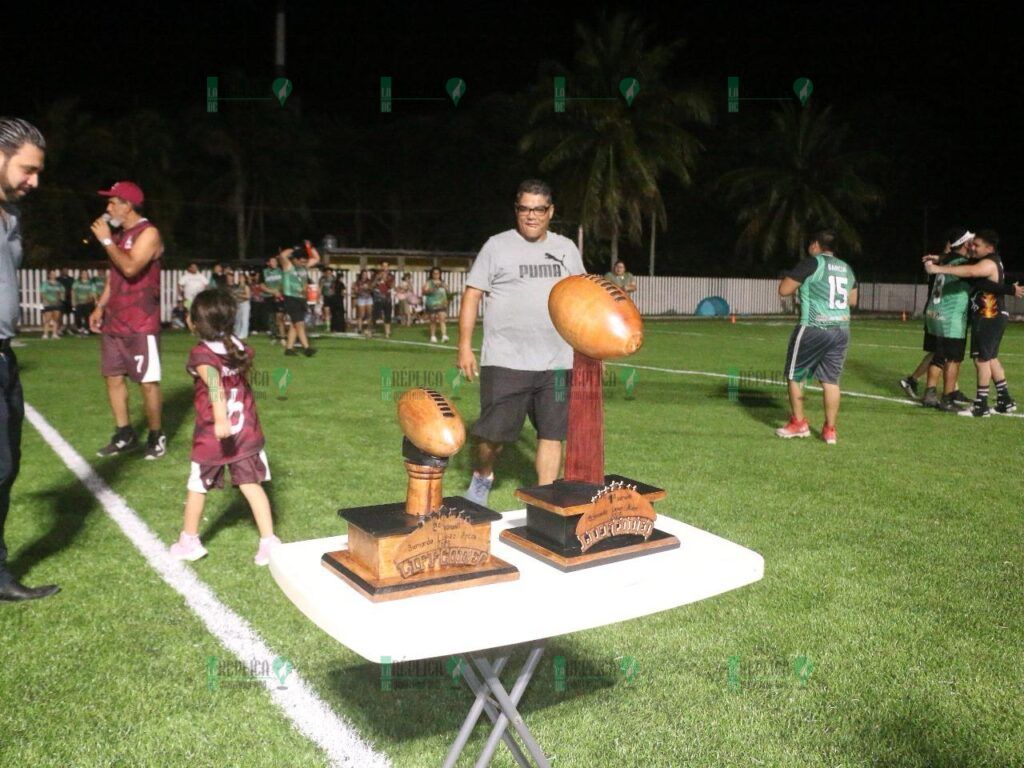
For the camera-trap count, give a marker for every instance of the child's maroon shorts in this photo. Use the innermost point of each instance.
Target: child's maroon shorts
(252, 469)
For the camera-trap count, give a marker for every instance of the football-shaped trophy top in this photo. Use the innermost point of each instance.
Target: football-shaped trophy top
(596, 317)
(431, 422)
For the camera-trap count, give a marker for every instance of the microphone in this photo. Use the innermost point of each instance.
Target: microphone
(106, 217)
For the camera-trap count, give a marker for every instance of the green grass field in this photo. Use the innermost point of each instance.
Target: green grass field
(886, 632)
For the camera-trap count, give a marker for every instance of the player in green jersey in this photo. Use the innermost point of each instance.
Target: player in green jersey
(271, 288)
(945, 318)
(52, 293)
(295, 264)
(83, 300)
(827, 288)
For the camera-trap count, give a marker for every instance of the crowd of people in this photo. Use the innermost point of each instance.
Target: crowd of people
(67, 300)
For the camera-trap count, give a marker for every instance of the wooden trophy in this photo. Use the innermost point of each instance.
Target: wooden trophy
(590, 518)
(427, 543)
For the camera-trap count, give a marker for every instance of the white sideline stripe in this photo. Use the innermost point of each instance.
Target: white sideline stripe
(310, 714)
(845, 392)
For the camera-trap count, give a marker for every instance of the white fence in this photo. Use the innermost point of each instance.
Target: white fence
(654, 295)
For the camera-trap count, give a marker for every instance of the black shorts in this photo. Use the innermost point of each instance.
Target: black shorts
(817, 352)
(986, 335)
(948, 350)
(382, 309)
(929, 342)
(53, 308)
(508, 396)
(295, 308)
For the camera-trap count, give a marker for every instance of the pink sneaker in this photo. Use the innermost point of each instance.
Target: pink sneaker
(187, 548)
(267, 546)
(794, 428)
(828, 434)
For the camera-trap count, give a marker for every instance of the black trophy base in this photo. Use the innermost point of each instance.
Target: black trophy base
(553, 512)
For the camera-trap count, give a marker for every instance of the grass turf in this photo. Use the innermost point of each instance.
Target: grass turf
(893, 570)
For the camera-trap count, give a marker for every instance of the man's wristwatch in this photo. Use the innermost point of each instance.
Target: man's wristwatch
(106, 241)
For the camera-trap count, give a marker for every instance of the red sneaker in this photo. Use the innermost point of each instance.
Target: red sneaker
(828, 434)
(794, 429)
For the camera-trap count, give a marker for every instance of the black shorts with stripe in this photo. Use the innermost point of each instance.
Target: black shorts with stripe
(817, 352)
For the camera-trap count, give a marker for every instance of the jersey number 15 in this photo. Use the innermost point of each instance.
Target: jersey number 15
(837, 293)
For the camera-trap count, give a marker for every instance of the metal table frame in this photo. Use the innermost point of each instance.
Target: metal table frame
(499, 706)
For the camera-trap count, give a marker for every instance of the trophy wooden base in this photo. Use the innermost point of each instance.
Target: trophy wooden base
(553, 522)
(344, 564)
(393, 555)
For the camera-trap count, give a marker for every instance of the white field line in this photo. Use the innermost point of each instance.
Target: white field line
(846, 392)
(712, 374)
(309, 714)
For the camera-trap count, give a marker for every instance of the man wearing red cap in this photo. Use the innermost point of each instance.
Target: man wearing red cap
(128, 315)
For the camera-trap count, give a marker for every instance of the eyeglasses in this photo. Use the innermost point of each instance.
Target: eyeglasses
(524, 210)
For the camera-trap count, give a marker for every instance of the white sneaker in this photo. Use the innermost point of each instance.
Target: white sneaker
(433, 339)
(479, 489)
(444, 339)
(187, 548)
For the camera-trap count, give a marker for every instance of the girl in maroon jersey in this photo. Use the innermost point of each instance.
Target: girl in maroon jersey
(227, 431)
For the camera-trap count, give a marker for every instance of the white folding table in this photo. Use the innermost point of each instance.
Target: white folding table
(483, 624)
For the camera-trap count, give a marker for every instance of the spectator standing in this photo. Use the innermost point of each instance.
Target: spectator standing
(363, 290)
(51, 293)
(83, 301)
(435, 300)
(383, 284)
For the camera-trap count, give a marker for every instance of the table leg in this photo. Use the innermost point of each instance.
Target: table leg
(480, 705)
(492, 711)
(508, 703)
(500, 707)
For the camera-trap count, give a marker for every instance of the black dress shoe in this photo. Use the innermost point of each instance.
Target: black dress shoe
(14, 592)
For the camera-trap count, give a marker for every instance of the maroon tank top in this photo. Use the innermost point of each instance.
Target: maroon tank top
(134, 303)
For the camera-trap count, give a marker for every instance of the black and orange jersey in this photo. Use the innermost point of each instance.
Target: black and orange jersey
(984, 303)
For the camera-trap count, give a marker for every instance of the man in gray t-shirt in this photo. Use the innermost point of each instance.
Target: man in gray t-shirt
(22, 150)
(523, 360)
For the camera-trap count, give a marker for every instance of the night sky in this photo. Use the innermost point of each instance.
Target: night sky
(950, 76)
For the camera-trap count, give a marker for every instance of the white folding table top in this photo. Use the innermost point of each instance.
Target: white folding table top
(543, 602)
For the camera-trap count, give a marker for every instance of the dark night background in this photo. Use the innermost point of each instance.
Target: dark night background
(934, 89)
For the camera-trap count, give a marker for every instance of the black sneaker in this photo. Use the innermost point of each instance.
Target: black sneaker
(309, 351)
(909, 386)
(123, 440)
(291, 352)
(960, 398)
(977, 410)
(948, 404)
(156, 446)
(1006, 406)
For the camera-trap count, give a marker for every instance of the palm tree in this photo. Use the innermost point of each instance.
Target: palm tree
(607, 157)
(804, 175)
